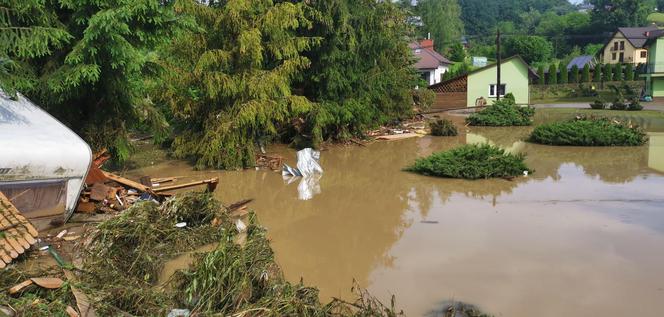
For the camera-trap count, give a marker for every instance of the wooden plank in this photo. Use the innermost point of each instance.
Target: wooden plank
(395, 137)
(99, 192)
(126, 182)
(186, 185)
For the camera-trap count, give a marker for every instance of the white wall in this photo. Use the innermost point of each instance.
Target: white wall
(435, 75)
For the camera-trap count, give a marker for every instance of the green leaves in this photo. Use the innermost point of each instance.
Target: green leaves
(589, 132)
(471, 162)
(502, 113)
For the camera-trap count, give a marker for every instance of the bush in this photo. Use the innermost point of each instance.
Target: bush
(443, 127)
(471, 162)
(598, 105)
(634, 105)
(510, 97)
(618, 104)
(589, 131)
(502, 113)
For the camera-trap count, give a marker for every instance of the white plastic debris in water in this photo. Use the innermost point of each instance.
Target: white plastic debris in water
(525, 173)
(307, 164)
(180, 224)
(308, 167)
(179, 313)
(241, 227)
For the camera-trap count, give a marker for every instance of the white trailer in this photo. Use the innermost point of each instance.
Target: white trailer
(43, 164)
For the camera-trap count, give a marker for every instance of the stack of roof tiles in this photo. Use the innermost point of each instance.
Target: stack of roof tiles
(17, 234)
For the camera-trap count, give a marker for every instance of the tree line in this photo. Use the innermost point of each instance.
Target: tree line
(213, 80)
(541, 31)
(560, 74)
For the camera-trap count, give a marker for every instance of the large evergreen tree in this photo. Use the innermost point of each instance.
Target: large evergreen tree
(84, 61)
(361, 73)
(228, 83)
(441, 18)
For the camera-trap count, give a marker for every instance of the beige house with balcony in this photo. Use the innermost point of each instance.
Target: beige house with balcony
(627, 46)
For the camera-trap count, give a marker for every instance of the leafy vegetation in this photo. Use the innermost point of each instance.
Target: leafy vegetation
(589, 131)
(236, 278)
(85, 62)
(219, 78)
(443, 127)
(471, 162)
(502, 113)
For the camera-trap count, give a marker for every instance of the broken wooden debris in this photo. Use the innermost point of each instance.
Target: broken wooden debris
(17, 234)
(116, 193)
(43, 282)
(211, 185)
(272, 162)
(401, 136)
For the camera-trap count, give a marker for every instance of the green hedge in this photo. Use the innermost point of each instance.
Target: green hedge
(502, 113)
(471, 162)
(589, 131)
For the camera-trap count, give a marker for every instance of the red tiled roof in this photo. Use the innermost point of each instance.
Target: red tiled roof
(427, 58)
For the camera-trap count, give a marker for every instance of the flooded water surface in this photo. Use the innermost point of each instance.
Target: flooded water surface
(582, 236)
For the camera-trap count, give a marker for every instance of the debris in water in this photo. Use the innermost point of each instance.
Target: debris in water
(180, 224)
(309, 169)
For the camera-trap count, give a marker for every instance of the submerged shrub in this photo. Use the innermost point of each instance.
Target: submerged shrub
(443, 127)
(589, 131)
(503, 113)
(618, 105)
(634, 105)
(598, 105)
(471, 162)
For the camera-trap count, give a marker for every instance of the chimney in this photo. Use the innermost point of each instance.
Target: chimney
(428, 43)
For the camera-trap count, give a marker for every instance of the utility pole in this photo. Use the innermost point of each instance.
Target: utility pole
(498, 60)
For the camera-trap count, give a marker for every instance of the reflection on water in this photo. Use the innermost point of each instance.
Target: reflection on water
(580, 237)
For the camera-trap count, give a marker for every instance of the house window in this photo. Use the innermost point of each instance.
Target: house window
(613, 56)
(644, 54)
(622, 45)
(615, 46)
(622, 57)
(492, 90)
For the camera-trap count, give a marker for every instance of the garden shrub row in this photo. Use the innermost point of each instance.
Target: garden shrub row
(589, 131)
(471, 162)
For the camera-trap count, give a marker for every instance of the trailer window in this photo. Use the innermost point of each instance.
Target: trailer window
(38, 198)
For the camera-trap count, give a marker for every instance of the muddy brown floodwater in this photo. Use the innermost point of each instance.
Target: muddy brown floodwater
(582, 236)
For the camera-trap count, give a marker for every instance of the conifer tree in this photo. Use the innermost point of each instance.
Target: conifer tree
(597, 73)
(229, 83)
(553, 74)
(564, 75)
(540, 72)
(84, 60)
(361, 74)
(574, 74)
(585, 77)
(629, 72)
(617, 72)
(607, 72)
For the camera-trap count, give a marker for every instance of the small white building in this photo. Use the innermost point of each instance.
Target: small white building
(431, 64)
(43, 164)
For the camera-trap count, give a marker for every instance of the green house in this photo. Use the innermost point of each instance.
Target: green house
(654, 74)
(479, 86)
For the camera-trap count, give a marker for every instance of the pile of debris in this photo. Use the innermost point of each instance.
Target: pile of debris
(401, 130)
(107, 192)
